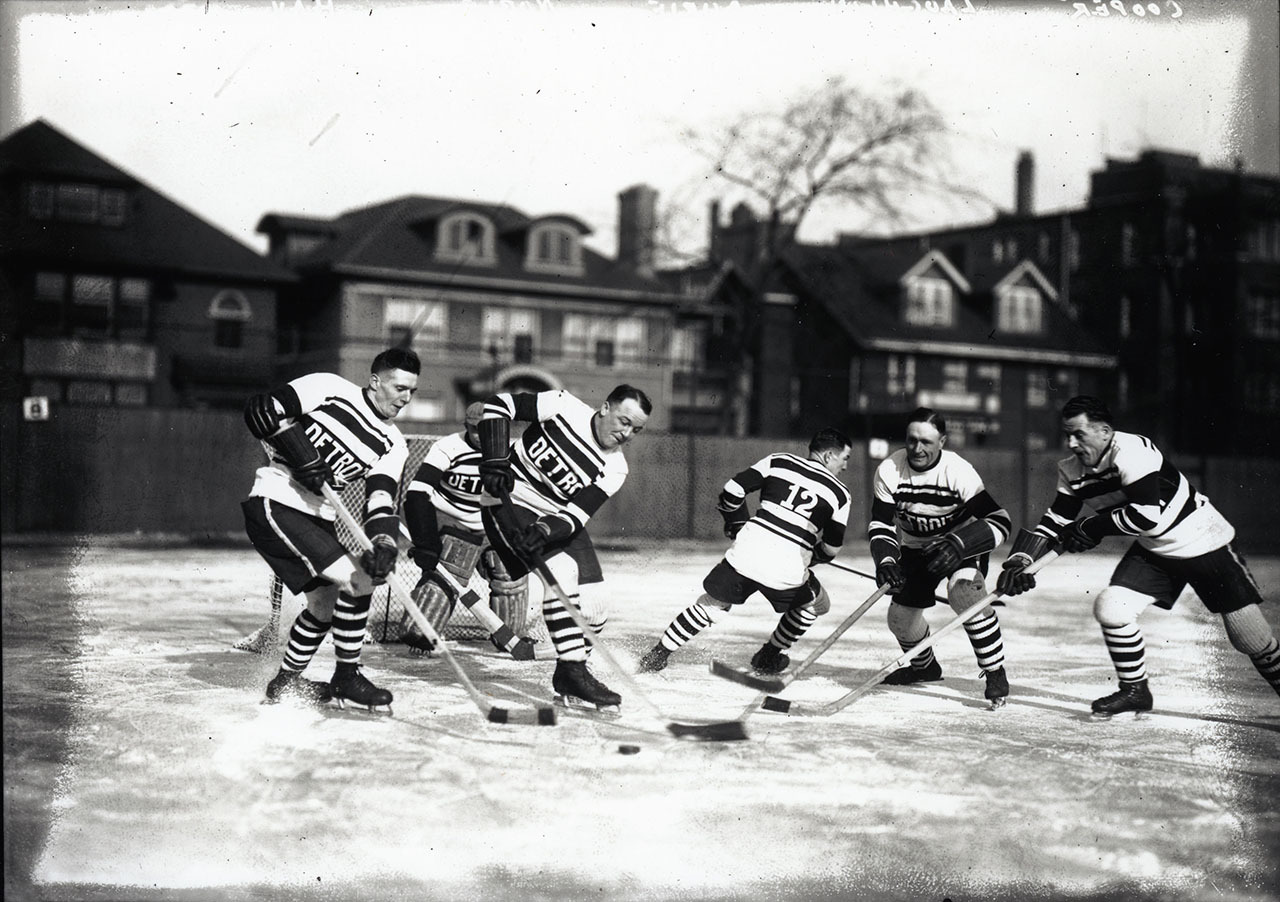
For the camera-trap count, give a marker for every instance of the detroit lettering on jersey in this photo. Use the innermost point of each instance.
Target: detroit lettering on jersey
(801, 503)
(562, 470)
(1143, 494)
(449, 477)
(353, 438)
(910, 508)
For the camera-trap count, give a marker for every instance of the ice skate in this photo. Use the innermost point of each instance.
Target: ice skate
(905, 676)
(349, 684)
(654, 659)
(290, 685)
(576, 687)
(770, 659)
(997, 691)
(418, 644)
(1135, 697)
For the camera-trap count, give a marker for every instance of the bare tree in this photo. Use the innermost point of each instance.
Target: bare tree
(840, 145)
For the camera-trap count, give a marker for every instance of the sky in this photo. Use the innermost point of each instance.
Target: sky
(315, 107)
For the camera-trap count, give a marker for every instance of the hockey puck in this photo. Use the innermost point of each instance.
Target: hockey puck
(628, 749)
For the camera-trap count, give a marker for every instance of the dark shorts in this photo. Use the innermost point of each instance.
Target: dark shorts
(922, 586)
(503, 520)
(725, 584)
(296, 545)
(1220, 578)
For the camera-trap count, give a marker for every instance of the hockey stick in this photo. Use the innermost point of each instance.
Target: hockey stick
(499, 632)
(543, 716)
(726, 731)
(777, 684)
(268, 635)
(783, 705)
(856, 572)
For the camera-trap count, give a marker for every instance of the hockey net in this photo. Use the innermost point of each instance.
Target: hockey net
(387, 618)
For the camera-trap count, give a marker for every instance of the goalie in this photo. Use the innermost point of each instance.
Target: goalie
(442, 512)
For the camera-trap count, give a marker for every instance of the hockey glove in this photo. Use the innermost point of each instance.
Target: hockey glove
(944, 557)
(312, 475)
(820, 553)
(531, 540)
(889, 573)
(261, 416)
(1027, 547)
(734, 518)
(1085, 534)
(380, 560)
(496, 477)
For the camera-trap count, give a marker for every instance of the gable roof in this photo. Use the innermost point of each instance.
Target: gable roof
(860, 289)
(395, 239)
(159, 234)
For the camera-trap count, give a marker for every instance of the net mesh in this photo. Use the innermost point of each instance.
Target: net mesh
(387, 618)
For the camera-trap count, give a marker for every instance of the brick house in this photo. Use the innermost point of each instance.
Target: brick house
(490, 297)
(117, 296)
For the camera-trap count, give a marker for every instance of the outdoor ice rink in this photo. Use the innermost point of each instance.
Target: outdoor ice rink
(140, 765)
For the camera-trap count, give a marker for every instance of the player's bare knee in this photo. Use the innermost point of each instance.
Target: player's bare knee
(348, 578)
(964, 592)
(1118, 606)
(904, 622)
(714, 604)
(821, 603)
(320, 602)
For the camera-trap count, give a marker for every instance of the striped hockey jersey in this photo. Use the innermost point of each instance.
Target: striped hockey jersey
(351, 436)
(801, 504)
(911, 508)
(561, 470)
(1144, 495)
(448, 479)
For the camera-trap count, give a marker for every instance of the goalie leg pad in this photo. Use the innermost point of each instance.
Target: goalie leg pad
(509, 598)
(436, 604)
(460, 552)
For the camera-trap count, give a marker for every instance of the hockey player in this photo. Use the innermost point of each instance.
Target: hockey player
(933, 519)
(1181, 539)
(801, 520)
(322, 428)
(565, 465)
(442, 512)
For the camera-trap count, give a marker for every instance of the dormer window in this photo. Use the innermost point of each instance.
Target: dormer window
(229, 311)
(1019, 310)
(465, 238)
(930, 302)
(553, 248)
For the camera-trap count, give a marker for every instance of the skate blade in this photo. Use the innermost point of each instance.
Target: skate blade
(384, 710)
(1103, 715)
(996, 704)
(582, 706)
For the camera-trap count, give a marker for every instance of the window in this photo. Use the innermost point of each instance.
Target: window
(1128, 250)
(77, 202)
(50, 291)
(40, 197)
(1037, 388)
(426, 407)
(1262, 315)
(584, 334)
(91, 304)
(1045, 247)
(1126, 317)
(997, 251)
(929, 302)
(1073, 250)
(554, 248)
(465, 238)
(630, 340)
(413, 323)
(1011, 249)
(229, 311)
(604, 353)
(901, 373)
(990, 374)
(112, 207)
(1020, 310)
(687, 343)
(133, 307)
(89, 393)
(508, 332)
(130, 394)
(955, 377)
(1263, 240)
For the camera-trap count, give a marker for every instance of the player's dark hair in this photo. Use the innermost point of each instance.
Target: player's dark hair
(624, 391)
(1094, 408)
(930, 416)
(828, 440)
(396, 359)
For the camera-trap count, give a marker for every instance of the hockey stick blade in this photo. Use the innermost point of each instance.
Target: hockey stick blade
(725, 731)
(743, 678)
(544, 716)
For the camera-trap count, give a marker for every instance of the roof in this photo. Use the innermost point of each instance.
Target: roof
(397, 238)
(859, 289)
(159, 234)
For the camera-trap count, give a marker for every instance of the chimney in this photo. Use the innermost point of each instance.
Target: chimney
(1024, 185)
(637, 228)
